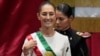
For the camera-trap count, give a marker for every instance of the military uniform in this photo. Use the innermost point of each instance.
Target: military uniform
(77, 43)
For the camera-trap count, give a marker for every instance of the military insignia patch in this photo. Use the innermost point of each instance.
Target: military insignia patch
(83, 34)
(79, 33)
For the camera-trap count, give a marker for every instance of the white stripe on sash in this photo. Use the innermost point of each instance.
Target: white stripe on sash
(39, 44)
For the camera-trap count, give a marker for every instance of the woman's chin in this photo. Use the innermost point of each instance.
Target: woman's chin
(58, 28)
(48, 26)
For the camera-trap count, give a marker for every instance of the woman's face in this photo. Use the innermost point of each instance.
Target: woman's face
(63, 21)
(47, 16)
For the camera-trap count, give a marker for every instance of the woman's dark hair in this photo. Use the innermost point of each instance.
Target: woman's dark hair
(65, 9)
(44, 3)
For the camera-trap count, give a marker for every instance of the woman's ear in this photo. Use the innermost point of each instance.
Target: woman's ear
(71, 18)
(38, 16)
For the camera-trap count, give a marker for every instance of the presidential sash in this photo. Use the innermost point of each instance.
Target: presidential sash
(36, 49)
(49, 51)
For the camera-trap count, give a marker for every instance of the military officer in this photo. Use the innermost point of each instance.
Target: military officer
(63, 25)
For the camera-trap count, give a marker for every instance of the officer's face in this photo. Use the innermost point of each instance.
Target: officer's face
(62, 21)
(47, 16)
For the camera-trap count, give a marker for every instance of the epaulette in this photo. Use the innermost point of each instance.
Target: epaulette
(79, 33)
(83, 34)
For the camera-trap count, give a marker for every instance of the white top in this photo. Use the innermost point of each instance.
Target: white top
(59, 44)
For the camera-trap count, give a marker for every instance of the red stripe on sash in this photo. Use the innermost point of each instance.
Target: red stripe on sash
(36, 50)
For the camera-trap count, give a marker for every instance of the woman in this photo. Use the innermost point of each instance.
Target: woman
(46, 42)
(63, 25)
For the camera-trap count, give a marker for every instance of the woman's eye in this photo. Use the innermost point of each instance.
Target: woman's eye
(60, 18)
(51, 14)
(44, 14)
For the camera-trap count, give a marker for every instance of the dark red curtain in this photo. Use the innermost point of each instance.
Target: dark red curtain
(17, 19)
(94, 44)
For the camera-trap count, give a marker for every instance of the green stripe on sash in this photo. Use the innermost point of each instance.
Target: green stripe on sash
(44, 43)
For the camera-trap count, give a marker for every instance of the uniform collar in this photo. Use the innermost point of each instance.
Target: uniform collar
(65, 32)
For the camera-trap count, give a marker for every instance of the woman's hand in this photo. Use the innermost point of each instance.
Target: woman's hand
(29, 45)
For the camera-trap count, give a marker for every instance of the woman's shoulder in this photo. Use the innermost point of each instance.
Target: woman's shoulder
(33, 33)
(31, 36)
(61, 35)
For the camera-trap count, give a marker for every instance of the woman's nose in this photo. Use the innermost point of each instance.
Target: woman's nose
(48, 16)
(57, 21)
